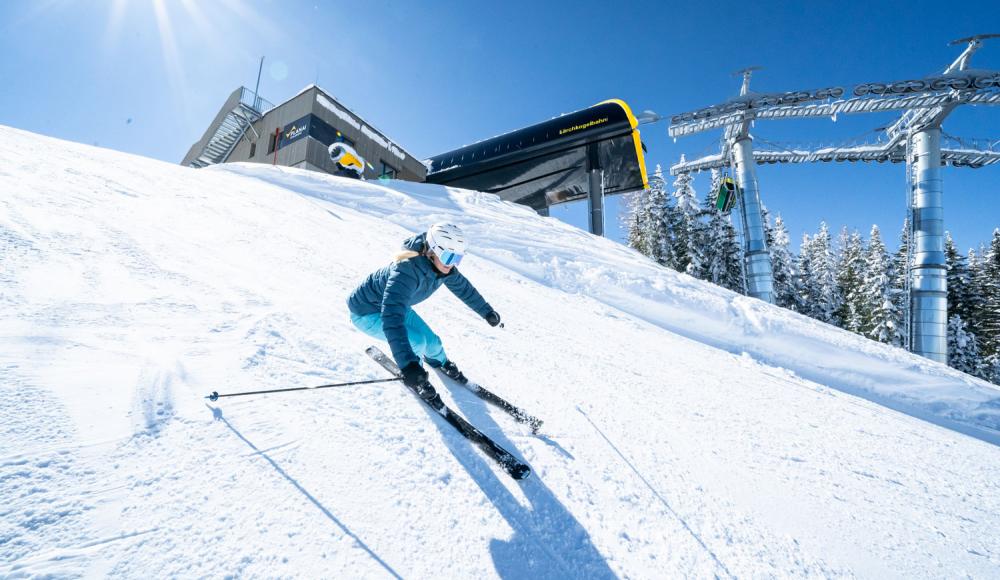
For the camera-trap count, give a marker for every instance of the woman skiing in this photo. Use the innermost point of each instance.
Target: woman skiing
(382, 306)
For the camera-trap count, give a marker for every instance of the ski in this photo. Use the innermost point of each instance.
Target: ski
(514, 411)
(507, 461)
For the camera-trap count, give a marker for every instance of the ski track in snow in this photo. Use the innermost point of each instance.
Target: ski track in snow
(689, 432)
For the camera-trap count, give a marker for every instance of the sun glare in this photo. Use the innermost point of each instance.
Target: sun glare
(114, 23)
(183, 22)
(188, 31)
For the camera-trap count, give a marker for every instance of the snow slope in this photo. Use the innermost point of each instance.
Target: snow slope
(689, 431)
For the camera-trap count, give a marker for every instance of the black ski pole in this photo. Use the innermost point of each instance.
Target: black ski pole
(215, 396)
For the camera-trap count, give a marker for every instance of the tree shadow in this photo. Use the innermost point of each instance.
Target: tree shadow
(217, 415)
(548, 541)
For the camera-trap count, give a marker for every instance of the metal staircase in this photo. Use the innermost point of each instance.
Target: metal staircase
(242, 109)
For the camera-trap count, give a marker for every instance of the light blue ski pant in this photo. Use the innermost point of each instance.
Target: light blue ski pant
(423, 341)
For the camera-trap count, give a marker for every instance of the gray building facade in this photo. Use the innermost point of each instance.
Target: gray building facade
(297, 133)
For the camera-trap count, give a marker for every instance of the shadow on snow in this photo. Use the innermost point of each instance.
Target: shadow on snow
(217, 415)
(548, 541)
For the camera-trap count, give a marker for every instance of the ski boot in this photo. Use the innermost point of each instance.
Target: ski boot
(427, 392)
(451, 371)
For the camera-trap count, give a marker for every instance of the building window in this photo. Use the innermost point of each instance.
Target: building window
(325, 133)
(342, 139)
(272, 143)
(388, 171)
(253, 149)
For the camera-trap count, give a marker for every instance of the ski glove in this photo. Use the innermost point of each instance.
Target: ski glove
(493, 318)
(413, 374)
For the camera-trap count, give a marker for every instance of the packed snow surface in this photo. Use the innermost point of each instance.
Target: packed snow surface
(689, 431)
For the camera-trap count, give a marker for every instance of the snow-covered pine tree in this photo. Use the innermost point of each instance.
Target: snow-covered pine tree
(964, 300)
(707, 238)
(641, 221)
(991, 265)
(900, 258)
(963, 349)
(670, 219)
(976, 301)
(991, 368)
(786, 283)
(768, 227)
(850, 273)
(818, 267)
(805, 284)
(634, 222)
(688, 248)
(881, 320)
(901, 272)
(723, 253)
(977, 306)
(959, 281)
(648, 221)
(988, 318)
(659, 236)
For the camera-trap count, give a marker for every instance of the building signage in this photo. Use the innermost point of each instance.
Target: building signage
(294, 131)
(582, 126)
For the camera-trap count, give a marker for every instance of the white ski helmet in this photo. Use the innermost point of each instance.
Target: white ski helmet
(447, 242)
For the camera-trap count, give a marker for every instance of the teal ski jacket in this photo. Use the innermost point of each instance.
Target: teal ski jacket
(393, 290)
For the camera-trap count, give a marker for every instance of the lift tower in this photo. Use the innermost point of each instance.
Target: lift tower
(757, 258)
(736, 116)
(915, 139)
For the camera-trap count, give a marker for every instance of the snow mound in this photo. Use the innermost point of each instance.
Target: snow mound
(689, 431)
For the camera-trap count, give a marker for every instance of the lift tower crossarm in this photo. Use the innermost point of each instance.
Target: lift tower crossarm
(959, 156)
(855, 105)
(957, 85)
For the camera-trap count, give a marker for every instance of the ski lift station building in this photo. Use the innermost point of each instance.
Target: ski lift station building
(297, 133)
(586, 154)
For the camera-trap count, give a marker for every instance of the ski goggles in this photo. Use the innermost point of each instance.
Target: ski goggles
(449, 258)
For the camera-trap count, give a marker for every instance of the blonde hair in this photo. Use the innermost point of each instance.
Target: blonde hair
(405, 255)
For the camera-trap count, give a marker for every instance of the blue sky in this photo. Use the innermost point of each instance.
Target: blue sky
(147, 76)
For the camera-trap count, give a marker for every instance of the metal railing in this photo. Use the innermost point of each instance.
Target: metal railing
(231, 129)
(254, 101)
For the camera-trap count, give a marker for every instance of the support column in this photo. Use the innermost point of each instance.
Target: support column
(595, 201)
(929, 283)
(760, 277)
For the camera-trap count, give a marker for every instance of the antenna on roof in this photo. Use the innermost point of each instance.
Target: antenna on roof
(256, 97)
